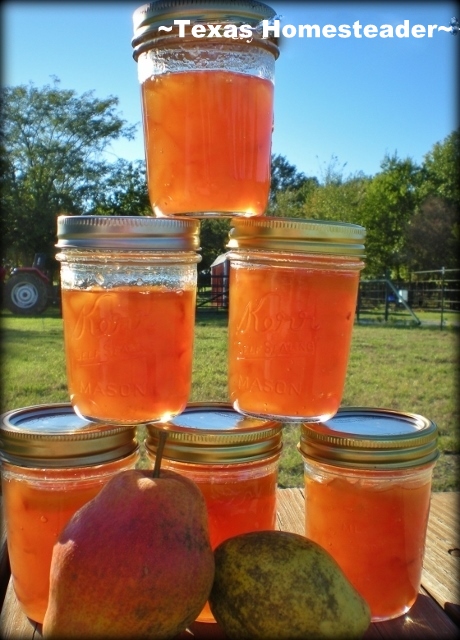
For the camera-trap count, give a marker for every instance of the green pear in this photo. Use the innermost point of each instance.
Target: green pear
(134, 562)
(274, 585)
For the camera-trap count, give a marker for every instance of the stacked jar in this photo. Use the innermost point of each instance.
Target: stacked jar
(292, 300)
(234, 461)
(53, 462)
(128, 304)
(367, 498)
(207, 84)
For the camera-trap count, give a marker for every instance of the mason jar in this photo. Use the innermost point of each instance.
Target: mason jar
(234, 461)
(207, 86)
(128, 306)
(367, 497)
(52, 463)
(293, 290)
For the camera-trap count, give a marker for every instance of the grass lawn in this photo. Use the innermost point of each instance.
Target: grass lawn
(410, 369)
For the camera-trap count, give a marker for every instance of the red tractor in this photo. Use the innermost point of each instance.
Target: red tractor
(29, 290)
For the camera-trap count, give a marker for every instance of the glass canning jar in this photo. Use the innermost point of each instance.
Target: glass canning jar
(207, 104)
(293, 289)
(52, 463)
(234, 461)
(128, 305)
(367, 498)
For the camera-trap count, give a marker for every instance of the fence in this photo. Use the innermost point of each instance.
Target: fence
(428, 297)
(212, 294)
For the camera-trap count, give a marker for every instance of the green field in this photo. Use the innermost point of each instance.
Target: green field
(410, 369)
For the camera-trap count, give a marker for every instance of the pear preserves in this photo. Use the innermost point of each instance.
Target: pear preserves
(274, 585)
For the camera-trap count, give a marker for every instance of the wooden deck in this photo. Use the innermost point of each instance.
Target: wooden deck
(436, 613)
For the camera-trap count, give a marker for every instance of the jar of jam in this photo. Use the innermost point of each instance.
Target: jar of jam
(292, 297)
(128, 304)
(206, 71)
(367, 498)
(52, 463)
(234, 461)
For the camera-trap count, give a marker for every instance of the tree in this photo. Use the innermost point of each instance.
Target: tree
(391, 199)
(122, 191)
(284, 176)
(290, 202)
(213, 240)
(332, 172)
(432, 236)
(441, 170)
(340, 201)
(289, 189)
(337, 198)
(51, 154)
(433, 233)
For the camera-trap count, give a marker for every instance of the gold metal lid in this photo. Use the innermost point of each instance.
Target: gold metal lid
(370, 438)
(214, 433)
(162, 13)
(297, 235)
(54, 436)
(133, 233)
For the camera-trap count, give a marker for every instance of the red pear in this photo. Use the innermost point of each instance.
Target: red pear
(135, 561)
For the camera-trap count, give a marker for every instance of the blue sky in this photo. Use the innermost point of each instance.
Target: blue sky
(353, 98)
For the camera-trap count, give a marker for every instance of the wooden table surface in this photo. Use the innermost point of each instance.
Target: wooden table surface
(435, 614)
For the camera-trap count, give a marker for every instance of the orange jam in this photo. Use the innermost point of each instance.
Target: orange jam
(37, 504)
(208, 142)
(36, 516)
(234, 461)
(239, 498)
(290, 330)
(376, 532)
(128, 351)
(367, 499)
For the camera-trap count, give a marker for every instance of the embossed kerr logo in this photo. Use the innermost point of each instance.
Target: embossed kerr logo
(266, 314)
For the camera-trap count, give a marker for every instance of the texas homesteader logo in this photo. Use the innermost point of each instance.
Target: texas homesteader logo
(273, 28)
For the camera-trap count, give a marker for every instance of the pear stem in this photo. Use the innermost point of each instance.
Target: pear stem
(159, 454)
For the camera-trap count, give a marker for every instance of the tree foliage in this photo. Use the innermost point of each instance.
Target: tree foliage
(339, 201)
(431, 236)
(441, 170)
(284, 175)
(390, 201)
(122, 191)
(213, 240)
(410, 212)
(289, 188)
(52, 159)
